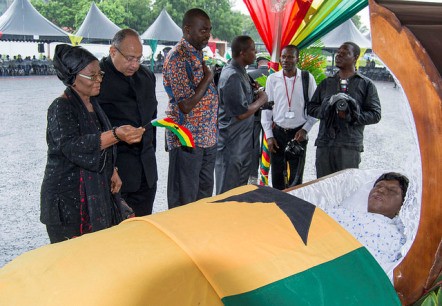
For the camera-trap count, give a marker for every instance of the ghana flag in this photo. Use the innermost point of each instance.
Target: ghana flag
(250, 246)
(183, 134)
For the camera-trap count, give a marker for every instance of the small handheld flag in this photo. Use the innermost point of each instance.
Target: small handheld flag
(183, 134)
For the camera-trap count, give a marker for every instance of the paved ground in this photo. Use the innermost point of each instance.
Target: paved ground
(24, 101)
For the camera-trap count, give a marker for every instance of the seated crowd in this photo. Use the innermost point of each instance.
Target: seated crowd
(18, 66)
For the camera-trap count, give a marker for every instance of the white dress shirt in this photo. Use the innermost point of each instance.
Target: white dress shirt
(277, 91)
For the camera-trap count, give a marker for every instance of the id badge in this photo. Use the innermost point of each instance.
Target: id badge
(289, 115)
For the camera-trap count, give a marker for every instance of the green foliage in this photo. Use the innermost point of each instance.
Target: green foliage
(434, 296)
(114, 10)
(63, 13)
(140, 14)
(70, 14)
(261, 80)
(249, 28)
(215, 61)
(312, 60)
(226, 24)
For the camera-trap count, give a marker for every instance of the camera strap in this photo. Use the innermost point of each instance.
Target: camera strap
(305, 84)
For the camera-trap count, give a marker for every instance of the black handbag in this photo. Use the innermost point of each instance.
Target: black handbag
(120, 210)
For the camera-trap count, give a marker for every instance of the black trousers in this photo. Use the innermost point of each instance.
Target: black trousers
(191, 175)
(333, 159)
(141, 201)
(278, 163)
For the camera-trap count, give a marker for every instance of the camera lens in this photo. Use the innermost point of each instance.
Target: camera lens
(341, 105)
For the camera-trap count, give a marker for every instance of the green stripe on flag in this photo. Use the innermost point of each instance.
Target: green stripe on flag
(352, 279)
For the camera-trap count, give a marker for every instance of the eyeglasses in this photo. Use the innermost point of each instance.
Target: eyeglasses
(93, 78)
(131, 59)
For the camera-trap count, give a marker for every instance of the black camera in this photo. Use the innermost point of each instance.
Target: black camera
(293, 150)
(268, 105)
(341, 105)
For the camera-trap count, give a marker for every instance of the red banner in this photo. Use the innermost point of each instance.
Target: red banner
(277, 20)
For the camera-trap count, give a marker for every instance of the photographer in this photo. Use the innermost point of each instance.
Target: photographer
(345, 103)
(238, 103)
(287, 124)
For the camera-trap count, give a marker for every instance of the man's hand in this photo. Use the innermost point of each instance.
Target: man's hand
(300, 135)
(262, 95)
(273, 144)
(339, 96)
(189, 103)
(261, 99)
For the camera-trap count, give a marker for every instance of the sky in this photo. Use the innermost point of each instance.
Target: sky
(240, 6)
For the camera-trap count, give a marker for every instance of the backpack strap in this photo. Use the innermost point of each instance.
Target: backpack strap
(305, 83)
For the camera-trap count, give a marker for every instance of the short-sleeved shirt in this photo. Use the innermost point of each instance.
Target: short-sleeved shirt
(235, 93)
(182, 73)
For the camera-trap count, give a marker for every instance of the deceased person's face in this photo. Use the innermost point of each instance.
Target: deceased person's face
(385, 198)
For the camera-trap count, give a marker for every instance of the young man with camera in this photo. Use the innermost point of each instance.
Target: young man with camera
(345, 103)
(238, 102)
(287, 124)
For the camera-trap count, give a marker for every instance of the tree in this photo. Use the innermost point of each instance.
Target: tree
(138, 14)
(63, 13)
(226, 24)
(71, 14)
(249, 28)
(114, 10)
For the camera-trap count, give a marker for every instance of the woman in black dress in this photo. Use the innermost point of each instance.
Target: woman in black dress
(80, 177)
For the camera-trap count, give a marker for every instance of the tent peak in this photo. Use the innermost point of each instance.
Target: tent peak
(163, 28)
(97, 27)
(22, 22)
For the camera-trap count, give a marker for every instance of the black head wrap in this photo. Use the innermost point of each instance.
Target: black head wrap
(69, 60)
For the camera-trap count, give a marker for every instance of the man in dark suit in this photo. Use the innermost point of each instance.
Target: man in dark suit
(127, 96)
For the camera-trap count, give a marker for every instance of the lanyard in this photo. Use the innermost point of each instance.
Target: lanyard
(289, 98)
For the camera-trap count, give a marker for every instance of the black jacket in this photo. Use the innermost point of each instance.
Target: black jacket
(349, 134)
(131, 100)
